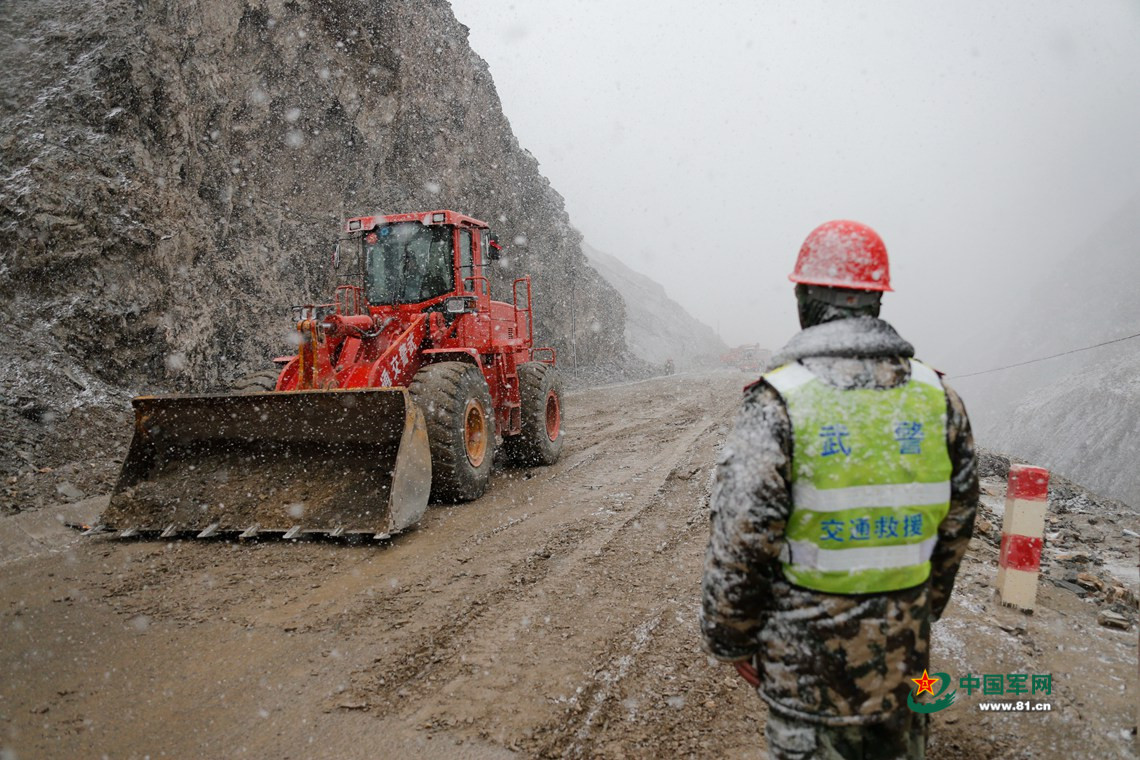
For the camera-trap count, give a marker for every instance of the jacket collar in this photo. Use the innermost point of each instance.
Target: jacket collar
(858, 337)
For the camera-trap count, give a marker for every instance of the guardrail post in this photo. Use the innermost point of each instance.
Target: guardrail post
(1022, 536)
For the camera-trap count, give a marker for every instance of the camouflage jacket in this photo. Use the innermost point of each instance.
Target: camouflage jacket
(826, 658)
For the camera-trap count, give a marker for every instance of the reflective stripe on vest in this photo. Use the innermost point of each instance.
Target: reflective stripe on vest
(870, 481)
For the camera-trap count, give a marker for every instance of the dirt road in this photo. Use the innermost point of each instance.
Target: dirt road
(555, 617)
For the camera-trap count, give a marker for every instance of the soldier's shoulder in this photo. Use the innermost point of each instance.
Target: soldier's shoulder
(952, 395)
(760, 391)
(953, 400)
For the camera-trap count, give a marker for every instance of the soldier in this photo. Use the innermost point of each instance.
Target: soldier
(843, 503)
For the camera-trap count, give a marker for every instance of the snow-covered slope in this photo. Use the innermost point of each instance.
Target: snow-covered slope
(1079, 413)
(1087, 425)
(657, 328)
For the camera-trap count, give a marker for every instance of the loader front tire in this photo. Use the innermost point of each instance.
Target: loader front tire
(456, 405)
(540, 391)
(256, 382)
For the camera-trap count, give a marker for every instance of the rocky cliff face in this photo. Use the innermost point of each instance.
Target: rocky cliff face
(175, 172)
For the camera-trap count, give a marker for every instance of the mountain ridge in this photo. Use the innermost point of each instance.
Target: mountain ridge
(657, 328)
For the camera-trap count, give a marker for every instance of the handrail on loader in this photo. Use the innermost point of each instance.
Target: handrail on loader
(528, 310)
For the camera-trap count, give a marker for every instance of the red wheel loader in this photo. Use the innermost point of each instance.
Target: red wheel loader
(403, 387)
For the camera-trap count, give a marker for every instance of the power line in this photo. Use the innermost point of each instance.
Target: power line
(1044, 358)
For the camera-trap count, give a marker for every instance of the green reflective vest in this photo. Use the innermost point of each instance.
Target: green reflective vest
(870, 481)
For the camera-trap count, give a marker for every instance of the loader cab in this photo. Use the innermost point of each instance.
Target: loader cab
(407, 262)
(420, 258)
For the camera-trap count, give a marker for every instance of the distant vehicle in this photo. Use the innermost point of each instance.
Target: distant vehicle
(748, 358)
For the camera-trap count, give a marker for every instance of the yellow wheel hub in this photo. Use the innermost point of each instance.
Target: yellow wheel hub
(475, 433)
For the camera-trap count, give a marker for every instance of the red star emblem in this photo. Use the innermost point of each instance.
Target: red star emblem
(926, 683)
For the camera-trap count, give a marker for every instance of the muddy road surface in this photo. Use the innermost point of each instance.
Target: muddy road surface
(555, 617)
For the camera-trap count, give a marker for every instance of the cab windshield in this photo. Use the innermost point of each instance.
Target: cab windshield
(407, 262)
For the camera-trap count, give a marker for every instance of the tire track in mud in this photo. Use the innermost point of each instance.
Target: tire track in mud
(563, 548)
(667, 608)
(580, 568)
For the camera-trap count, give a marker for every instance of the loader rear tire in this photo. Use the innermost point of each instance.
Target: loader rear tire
(456, 405)
(540, 391)
(256, 382)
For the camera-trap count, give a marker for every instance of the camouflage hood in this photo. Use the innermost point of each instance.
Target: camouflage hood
(859, 337)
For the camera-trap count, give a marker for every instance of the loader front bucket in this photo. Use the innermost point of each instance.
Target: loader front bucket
(329, 462)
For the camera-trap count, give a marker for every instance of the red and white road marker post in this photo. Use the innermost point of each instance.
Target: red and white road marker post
(1022, 535)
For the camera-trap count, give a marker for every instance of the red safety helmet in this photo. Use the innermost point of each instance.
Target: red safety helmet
(843, 254)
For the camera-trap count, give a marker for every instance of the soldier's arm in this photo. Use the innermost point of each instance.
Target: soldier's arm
(750, 504)
(955, 531)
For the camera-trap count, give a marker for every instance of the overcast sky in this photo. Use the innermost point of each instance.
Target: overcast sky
(701, 142)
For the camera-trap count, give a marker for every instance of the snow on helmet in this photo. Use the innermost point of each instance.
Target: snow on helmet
(843, 254)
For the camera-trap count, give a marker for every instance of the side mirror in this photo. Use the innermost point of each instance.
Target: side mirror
(459, 305)
(336, 256)
(495, 252)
